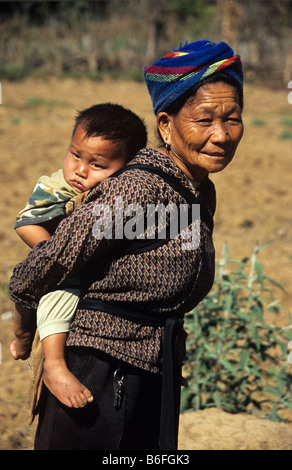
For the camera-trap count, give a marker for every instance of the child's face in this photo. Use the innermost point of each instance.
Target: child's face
(89, 160)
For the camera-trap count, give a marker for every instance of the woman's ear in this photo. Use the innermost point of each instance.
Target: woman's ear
(163, 124)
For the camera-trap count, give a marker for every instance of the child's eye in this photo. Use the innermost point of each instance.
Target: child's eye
(75, 155)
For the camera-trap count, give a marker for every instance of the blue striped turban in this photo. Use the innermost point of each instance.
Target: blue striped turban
(176, 73)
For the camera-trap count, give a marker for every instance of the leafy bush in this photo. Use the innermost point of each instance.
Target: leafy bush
(235, 360)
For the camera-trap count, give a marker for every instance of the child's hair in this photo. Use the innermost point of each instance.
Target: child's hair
(116, 123)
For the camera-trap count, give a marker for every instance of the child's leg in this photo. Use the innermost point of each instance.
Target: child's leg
(57, 377)
(24, 329)
(54, 315)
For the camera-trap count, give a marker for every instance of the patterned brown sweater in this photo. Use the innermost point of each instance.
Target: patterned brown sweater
(165, 280)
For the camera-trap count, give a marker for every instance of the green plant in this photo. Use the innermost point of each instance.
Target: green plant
(259, 122)
(36, 101)
(234, 356)
(16, 120)
(5, 289)
(287, 121)
(286, 135)
(13, 72)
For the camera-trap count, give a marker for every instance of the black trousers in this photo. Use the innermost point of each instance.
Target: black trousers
(135, 424)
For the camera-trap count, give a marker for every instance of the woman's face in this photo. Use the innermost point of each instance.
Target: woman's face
(205, 133)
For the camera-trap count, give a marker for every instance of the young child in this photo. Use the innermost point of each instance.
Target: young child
(105, 138)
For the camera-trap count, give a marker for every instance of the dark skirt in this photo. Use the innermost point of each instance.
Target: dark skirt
(135, 424)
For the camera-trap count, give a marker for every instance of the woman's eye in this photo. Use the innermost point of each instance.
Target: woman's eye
(234, 120)
(206, 120)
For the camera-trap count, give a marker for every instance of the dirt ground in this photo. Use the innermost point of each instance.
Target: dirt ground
(253, 206)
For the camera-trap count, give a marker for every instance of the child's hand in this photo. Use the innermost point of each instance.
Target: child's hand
(24, 329)
(20, 350)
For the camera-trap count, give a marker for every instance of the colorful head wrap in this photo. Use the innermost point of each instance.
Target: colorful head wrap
(174, 74)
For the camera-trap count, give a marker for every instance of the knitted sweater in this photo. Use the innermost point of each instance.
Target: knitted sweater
(166, 280)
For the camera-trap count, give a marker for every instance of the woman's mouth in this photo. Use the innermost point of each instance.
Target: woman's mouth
(220, 155)
(216, 155)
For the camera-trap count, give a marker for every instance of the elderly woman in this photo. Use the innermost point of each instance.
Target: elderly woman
(126, 343)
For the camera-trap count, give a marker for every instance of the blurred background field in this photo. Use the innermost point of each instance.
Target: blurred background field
(95, 38)
(59, 57)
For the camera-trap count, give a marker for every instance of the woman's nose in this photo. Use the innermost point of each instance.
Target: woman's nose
(219, 133)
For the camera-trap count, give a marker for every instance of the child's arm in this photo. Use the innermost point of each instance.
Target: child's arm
(32, 234)
(24, 319)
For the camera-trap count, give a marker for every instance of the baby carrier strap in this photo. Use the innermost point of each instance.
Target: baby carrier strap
(141, 245)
